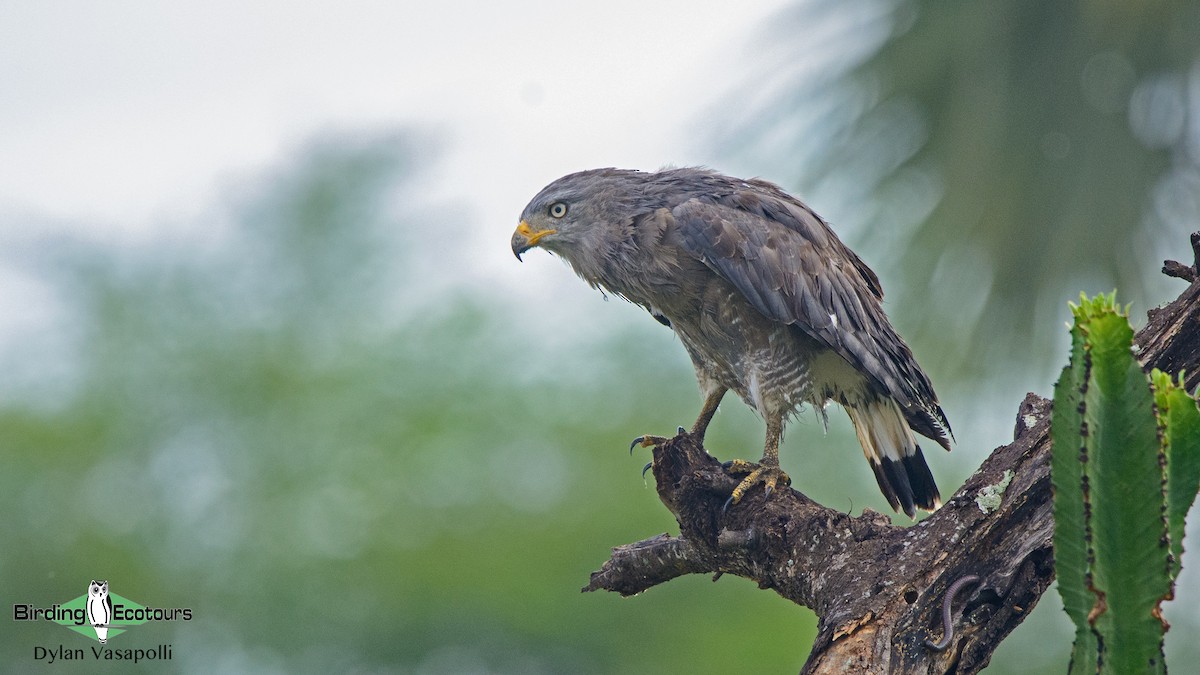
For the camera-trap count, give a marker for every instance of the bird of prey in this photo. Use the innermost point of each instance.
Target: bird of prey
(768, 302)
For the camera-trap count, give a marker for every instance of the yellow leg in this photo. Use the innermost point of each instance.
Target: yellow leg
(706, 414)
(767, 472)
(711, 402)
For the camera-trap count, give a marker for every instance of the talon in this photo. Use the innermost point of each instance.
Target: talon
(682, 431)
(725, 506)
(770, 476)
(738, 466)
(646, 442)
(744, 486)
(646, 468)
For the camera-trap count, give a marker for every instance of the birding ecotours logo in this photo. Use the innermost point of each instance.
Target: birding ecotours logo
(99, 614)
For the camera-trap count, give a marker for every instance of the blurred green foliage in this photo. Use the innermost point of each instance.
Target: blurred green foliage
(298, 424)
(997, 157)
(338, 471)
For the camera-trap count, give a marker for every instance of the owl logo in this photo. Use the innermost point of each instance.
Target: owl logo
(99, 608)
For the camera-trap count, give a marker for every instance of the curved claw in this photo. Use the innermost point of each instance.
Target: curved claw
(725, 506)
(682, 431)
(646, 468)
(771, 476)
(647, 442)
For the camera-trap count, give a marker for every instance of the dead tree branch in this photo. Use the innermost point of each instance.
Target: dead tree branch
(878, 589)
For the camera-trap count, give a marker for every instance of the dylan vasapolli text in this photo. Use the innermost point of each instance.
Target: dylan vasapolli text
(51, 655)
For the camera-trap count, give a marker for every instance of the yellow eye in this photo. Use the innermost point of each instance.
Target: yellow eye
(558, 209)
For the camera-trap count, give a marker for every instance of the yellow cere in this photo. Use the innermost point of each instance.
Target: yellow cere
(526, 231)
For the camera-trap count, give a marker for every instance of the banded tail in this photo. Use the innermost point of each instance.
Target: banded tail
(890, 447)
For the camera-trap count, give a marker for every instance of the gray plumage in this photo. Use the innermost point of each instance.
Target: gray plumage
(767, 300)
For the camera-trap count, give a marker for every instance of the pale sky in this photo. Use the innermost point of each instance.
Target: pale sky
(125, 116)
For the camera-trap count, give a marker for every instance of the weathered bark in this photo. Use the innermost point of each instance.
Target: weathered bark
(878, 589)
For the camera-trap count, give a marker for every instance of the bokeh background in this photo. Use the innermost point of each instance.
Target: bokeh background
(266, 354)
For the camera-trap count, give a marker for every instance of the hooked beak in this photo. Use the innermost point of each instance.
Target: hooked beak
(525, 238)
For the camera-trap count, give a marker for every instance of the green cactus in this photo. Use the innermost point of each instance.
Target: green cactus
(1179, 422)
(1125, 470)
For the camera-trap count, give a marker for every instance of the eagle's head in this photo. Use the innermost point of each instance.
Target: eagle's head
(575, 213)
